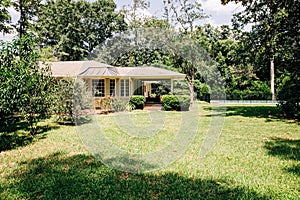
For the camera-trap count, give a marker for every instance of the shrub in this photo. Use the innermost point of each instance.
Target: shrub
(104, 104)
(204, 92)
(289, 95)
(170, 102)
(256, 90)
(184, 103)
(137, 101)
(71, 100)
(179, 103)
(118, 105)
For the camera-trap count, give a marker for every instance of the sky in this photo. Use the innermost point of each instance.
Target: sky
(219, 14)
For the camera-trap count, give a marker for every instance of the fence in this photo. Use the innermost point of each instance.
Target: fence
(245, 101)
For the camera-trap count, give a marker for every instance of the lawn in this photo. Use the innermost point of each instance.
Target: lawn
(257, 156)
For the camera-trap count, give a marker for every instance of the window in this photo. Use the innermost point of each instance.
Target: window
(98, 87)
(112, 87)
(124, 87)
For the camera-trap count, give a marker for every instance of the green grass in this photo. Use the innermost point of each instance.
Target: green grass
(256, 157)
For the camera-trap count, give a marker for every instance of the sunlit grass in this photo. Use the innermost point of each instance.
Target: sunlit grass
(256, 157)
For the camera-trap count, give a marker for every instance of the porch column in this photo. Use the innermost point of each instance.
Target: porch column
(172, 86)
(117, 87)
(131, 86)
(107, 87)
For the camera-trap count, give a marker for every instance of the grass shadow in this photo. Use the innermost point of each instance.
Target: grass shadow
(15, 134)
(61, 176)
(270, 113)
(284, 148)
(287, 149)
(294, 170)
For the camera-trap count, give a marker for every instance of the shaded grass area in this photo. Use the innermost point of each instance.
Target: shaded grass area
(16, 133)
(253, 159)
(253, 111)
(268, 112)
(284, 147)
(59, 176)
(287, 149)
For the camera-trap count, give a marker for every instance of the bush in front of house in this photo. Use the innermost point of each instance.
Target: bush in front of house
(118, 105)
(184, 102)
(137, 101)
(71, 101)
(169, 102)
(178, 102)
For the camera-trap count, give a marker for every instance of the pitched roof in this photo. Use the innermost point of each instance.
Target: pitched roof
(146, 72)
(98, 69)
(73, 68)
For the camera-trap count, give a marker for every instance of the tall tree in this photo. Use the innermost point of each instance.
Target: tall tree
(134, 15)
(4, 16)
(275, 32)
(75, 28)
(275, 36)
(28, 10)
(24, 86)
(185, 14)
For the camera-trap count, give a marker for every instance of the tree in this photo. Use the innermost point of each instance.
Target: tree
(4, 16)
(28, 10)
(274, 33)
(134, 16)
(275, 36)
(71, 99)
(185, 14)
(25, 88)
(75, 28)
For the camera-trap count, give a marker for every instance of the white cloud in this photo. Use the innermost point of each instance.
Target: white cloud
(220, 14)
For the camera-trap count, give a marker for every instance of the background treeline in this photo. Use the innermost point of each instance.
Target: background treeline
(248, 60)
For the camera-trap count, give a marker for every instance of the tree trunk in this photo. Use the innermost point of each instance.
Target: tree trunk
(192, 88)
(192, 80)
(272, 73)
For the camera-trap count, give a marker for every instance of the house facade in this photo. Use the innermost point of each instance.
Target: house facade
(116, 82)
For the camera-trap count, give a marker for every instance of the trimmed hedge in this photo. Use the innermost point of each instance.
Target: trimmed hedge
(137, 101)
(179, 103)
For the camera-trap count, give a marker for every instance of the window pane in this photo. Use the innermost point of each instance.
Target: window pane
(127, 88)
(124, 88)
(122, 82)
(112, 88)
(98, 88)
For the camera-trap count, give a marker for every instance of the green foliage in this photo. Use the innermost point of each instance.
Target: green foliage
(179, 103)
(4, 16)
(185, 13)
(204, 89)
(28, 10)
(72, 101)
(62, 104)
(169, 102)
(118, 105)
(273, 37)
(25, 88)
(46, 54)
(74, 28)
(137, 101)
(255, 90)
(204, 92)
(289, 94)
(184, 102)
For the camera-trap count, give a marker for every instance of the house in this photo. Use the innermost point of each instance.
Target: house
(118, 82)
